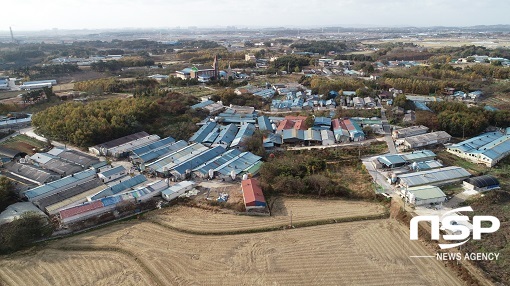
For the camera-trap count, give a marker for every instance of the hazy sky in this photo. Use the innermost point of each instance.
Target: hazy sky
(92, 14)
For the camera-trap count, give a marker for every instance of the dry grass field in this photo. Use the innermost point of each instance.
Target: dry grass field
(366, 253)
(56, 267)
(196, 220)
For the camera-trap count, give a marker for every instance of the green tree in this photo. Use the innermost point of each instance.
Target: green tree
(23, 231)
(7, 194)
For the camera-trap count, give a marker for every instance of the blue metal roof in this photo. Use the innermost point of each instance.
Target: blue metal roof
(47, 188)
(391, 160)
(421, 106)
(113, 171)
(227, 135)
(265, 123)
(202, 104)
(476, 142)
(147, 148)
(289, 134)
(164, 150)
(167, 162)
(200, 135)
(322, 121)
(218, 161)
(245, 131)
(198, 160)
(211, 136)
(239, 164)
(120, 187)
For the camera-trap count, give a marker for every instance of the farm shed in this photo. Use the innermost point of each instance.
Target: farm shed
(157, 153)
(328, 138)
(15, 211)
(103, 149)
(245, 132)
(30, 174)
(435, 177)
(163, 165)
(438, 137)
(253, 195)
(203, 170)
(312, 136)
(10, 153)
(226, 136)
(265, 124)
(124, 149)
(112, 174)
(177, 190)
(63, 195)
(419, 156)
(153, 146)
(179, 170)
(240, 164)
(487, 149)
(123, 186)
(424, 195)
(391, 161)
(409, 131)
(482, 183)
(58, 185)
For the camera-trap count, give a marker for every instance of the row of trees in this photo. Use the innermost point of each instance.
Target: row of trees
(100, 121)
(89, 124)
(299, 174)
(320, 47)
(114, 65)
(459, 120)
(99, 86)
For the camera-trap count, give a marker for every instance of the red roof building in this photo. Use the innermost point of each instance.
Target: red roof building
(70, 212)
(252, 194)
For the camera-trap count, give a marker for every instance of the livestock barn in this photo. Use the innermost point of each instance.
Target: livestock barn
(482, 183)
(253, 195)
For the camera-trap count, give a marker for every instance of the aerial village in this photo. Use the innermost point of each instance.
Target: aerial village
(388, 133)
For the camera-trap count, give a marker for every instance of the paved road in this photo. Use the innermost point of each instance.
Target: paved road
(387, 130)
(29, 131)
(361, 143)
(377, 177)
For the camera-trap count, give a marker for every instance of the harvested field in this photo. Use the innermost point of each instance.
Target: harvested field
(202, 221)
(357, 253)
(55, 267)
(23, 143)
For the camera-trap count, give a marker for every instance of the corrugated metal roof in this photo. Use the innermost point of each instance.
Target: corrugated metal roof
(198, 160)
(153, 146)
(200, 135)
(163, 151)
(226, 136)
(113, 171)
(312, 135)
(70, 212)
(120, 187)
(122, 140)
(209, 139)
(417, 156)
(265, 123)
(433, 177)
(252, 193)
(175, 157)
(177, 187)
(238, 164)
(218, 161)
(426, 192)
(66, 181)
(245, 131)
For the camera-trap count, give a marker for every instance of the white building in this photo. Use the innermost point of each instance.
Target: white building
(176, 190)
